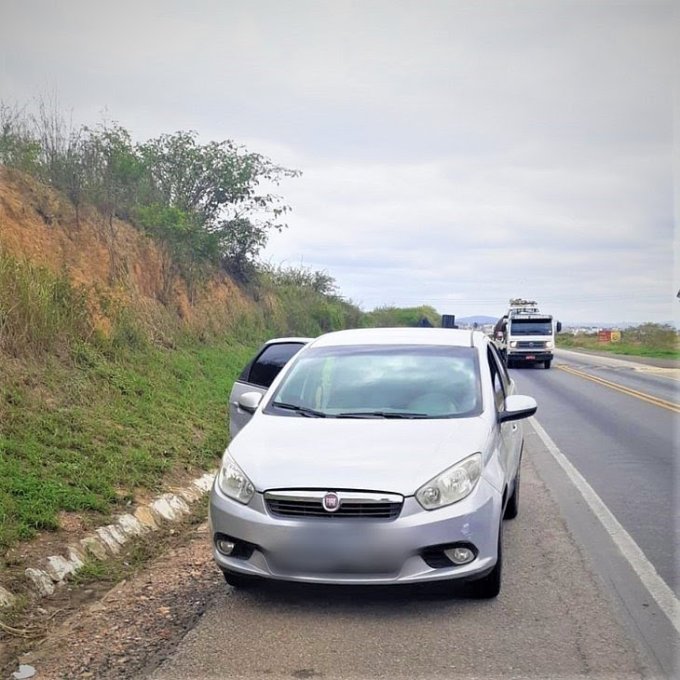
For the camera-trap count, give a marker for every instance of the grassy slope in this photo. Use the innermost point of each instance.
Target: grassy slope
(90, 419)
(107, 393)
(626, 348)
(83, 434)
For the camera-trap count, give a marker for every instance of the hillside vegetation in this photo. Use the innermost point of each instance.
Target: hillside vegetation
(646, 340)
(131, 295)
(106, 389)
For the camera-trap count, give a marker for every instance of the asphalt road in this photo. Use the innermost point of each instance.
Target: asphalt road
(599, 413)
(553, 619)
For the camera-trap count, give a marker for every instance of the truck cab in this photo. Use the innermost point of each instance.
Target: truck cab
(525, 335)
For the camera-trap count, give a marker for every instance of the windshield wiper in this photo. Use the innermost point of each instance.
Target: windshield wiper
(302, 410)
(381, 414)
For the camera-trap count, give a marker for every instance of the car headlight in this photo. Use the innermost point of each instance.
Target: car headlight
(549, 344)
(513, 343)
(452, 485)
(233, 481)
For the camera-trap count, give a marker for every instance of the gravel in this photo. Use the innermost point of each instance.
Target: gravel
(136, 624)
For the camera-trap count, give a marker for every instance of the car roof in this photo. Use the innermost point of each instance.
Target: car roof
(401, 336)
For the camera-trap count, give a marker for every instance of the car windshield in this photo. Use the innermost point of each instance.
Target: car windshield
(378, 381)
(531, 328)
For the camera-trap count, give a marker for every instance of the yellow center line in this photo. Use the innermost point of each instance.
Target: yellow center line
(624, 390)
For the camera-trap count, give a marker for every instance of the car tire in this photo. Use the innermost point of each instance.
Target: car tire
(512, 506)
(546, 364)
(489, 586)
(238, 580)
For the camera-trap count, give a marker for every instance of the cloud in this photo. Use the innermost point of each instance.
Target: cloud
(455, 153)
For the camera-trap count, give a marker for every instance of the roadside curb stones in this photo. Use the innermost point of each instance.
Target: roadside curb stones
(108, 540)
(6, 598)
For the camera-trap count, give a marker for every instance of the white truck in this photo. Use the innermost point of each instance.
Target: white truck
(526, 336)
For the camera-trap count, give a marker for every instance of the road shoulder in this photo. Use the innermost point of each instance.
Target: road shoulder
(631, 602)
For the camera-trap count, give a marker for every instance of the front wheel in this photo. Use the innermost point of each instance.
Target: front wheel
(489, 586)
(546, 363)
(512, 507)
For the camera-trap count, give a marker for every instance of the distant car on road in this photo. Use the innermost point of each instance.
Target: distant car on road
(377, 456)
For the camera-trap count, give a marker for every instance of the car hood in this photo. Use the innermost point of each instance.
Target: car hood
(398, 456)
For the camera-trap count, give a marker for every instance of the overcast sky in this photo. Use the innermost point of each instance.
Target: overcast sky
(454, 153)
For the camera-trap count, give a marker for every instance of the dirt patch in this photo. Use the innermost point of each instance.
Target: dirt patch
(94, 630)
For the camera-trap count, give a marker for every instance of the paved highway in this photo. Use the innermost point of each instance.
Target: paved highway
(616, 422)
(610, 428)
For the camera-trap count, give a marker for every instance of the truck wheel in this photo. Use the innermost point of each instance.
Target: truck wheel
(547, 363)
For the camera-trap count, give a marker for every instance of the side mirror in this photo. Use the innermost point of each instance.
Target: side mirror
(559, 326)
(517, 407)
(249, 401)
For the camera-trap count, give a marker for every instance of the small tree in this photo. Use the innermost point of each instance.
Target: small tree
(113, 174)
(218, 182)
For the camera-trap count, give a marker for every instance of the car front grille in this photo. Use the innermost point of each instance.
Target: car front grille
(530, 344)
(359, 505)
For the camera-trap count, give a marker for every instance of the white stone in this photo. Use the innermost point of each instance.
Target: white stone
(190, 494)
(25, 672)
(41, 581)
(117, 534)
(94, 546)
(75, 557)
(58, 568)
(108, 539)
(205, 482)
(146, 517)
(162, 509)
(6, 598)
(130, 525)
(178, 504)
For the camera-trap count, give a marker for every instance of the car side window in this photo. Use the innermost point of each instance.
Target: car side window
(496, 380)
(504, 375)
(267, 365)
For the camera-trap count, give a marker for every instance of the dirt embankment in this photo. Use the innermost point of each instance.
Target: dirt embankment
(118, 265)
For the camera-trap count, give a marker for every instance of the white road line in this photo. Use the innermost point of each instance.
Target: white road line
(645, 570)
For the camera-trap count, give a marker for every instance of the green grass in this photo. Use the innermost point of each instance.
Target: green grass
(652, 349)
(86, 420)
(83, 434)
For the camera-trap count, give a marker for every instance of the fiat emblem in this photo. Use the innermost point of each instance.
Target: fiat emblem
(330, 502)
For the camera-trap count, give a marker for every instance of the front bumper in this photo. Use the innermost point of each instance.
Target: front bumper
(359, 550)
(528, 355)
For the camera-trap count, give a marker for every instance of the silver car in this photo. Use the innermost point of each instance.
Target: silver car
(377, 456)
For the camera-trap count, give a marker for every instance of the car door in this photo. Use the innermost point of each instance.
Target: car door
(259, 374)
(511, 432)
(504, 431)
